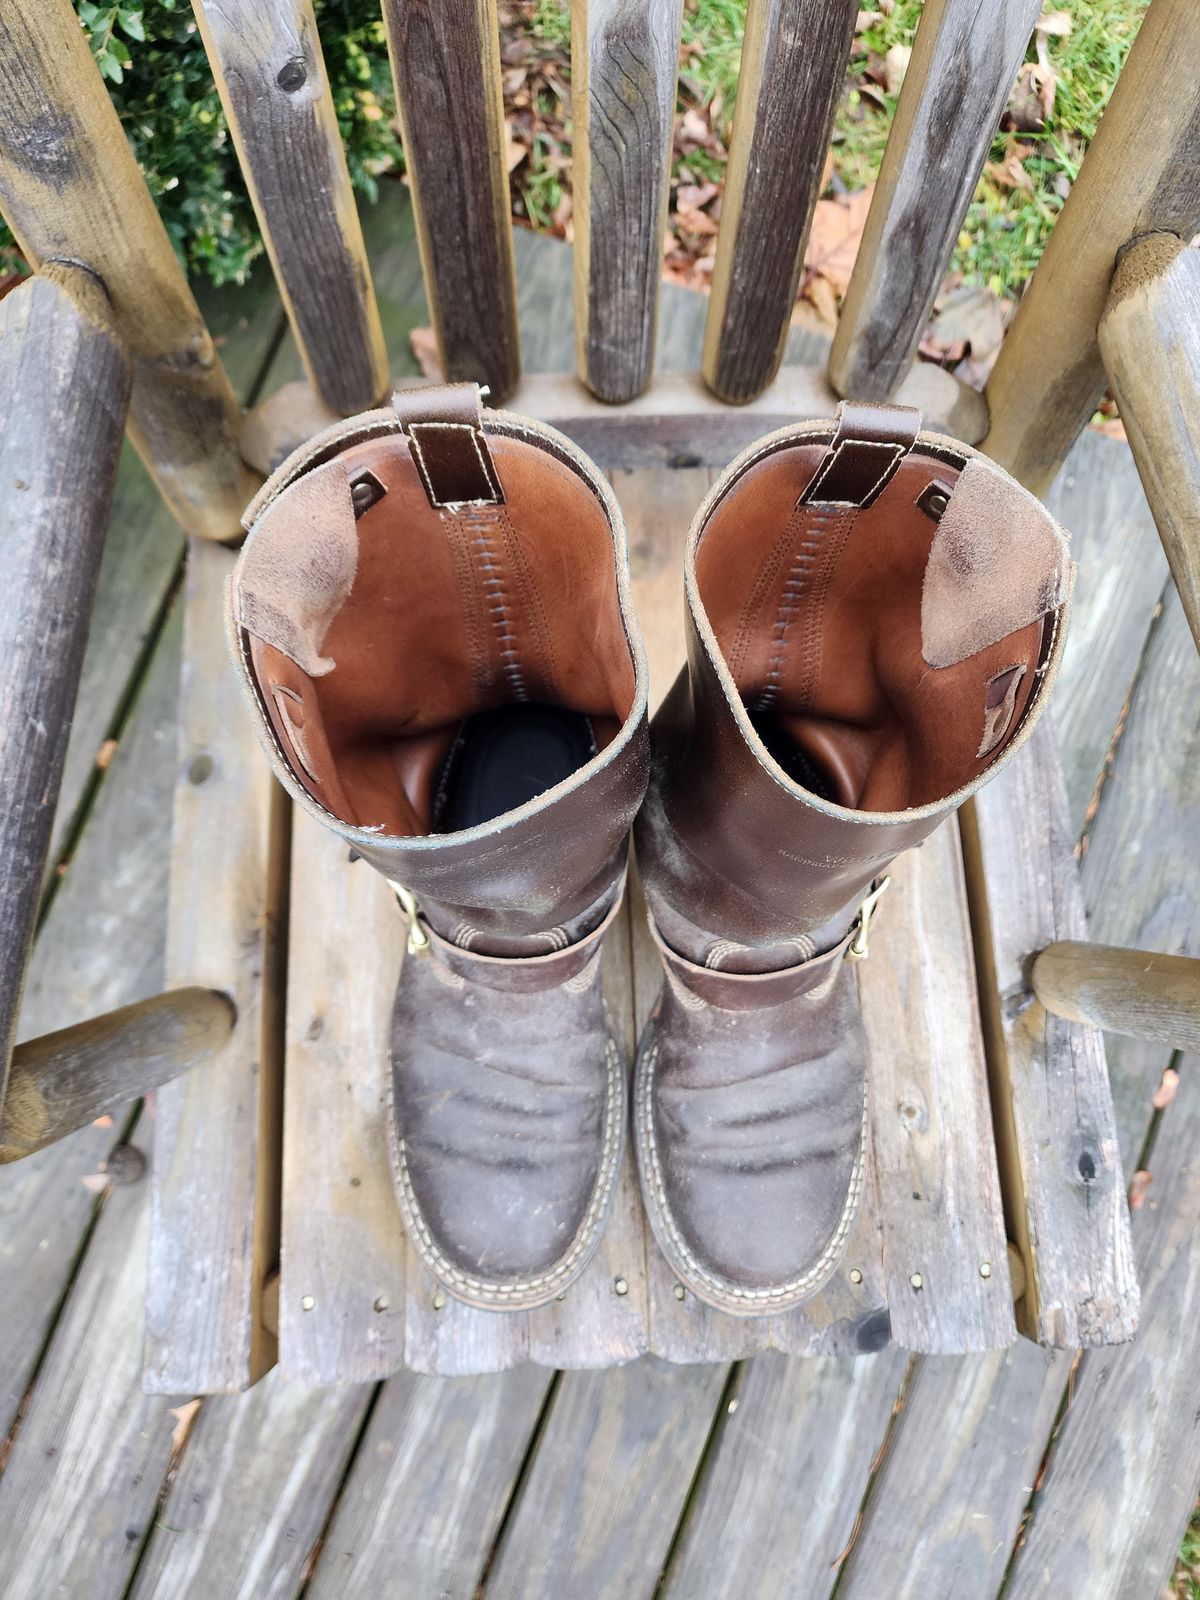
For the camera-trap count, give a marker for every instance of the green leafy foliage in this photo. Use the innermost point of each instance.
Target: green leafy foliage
(152, 58)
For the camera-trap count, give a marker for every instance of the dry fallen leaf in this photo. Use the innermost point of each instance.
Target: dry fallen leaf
(895, 65)
(1054, 22)
(1137, 1190)
(1166, 1090)
(105, 754)
(833, 242)
(423, 343)
(184, 1416)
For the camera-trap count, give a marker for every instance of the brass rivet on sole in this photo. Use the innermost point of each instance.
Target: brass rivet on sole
(307, 1303)
(439, 1301)
(917, 1281)
(985, 1269)
(620, 1286)
(855, 1274)
(679, 1291)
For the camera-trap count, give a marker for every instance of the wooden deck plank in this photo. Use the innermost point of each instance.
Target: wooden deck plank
(252, 1492)
(342, 1283)
(1124, 1468)
(100, 947)
(79, 1493)
(608, 1482)
(216, 1146)
(778, 1500)
(944, 1245)
(429, 1487)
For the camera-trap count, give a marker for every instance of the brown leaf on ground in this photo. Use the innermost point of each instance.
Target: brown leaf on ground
(1138, 1185)
(833, 241)
(1010, 173)
(1111, 428)
(1026, 109)
(185, 1416)
(971, 316)
(105, 754)
(1166, 1090)
(423, 343)
(895, 65)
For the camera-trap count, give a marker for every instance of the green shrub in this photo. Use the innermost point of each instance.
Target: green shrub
(158, 74)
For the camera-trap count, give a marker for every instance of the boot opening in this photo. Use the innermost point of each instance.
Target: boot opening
(426, 668)
(886, 655)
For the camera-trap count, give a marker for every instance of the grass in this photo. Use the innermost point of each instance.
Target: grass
(1185, 1585)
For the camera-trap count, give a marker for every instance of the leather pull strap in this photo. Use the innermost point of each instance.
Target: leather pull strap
(444, 426)
(869, 444)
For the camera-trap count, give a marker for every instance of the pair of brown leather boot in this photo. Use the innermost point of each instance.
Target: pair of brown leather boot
(432, 619)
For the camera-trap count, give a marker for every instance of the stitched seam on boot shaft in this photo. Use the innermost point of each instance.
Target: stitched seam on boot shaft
(482, 523)
(447, 1273)
(829, 1256)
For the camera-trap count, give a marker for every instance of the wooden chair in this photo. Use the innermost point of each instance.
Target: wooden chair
(997, 1201)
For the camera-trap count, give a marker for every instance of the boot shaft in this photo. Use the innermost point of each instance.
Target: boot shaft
(874, 618)
(419, 572)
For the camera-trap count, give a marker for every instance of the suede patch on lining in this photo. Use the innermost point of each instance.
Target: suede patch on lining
(998, 562)
(297, 568)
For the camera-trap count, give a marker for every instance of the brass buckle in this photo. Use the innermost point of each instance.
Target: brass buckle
(418, 939)
(857, 949)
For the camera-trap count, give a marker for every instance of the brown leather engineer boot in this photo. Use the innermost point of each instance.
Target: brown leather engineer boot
(874, 619)
(431, 616)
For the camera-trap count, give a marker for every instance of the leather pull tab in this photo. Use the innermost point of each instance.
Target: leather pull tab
(444, 426)
(868, 446)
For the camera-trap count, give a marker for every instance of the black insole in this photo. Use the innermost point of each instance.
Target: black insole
(783, 749)
(504, 757)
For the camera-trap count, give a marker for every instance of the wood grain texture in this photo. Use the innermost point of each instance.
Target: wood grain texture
(607, 1485)
(624, 61)
(429, 1487)
(71, 190)
(793, 60)
(1125, 1466)
(1139, 992)
(1060, 1160)
(342, 1284)
(66, 1079)
(100, 947)
(965, 57)
(270, 73)
(446, 66)
(64, 387)
(80, 1490)
(944, 1246)
(216, 1147)
(778, 1499)
(1151, 356)
(250, 1497)
(1141, 173)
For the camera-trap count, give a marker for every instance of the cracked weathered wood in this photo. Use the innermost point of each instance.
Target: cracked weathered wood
(1141, 173)
(1150, 343)
(446, 66)
(66, 1079)
(624, 61)
(965, 57)
(70, 190)
(64, 387)
(793, 62)
(1060, 1160)
(269, 70)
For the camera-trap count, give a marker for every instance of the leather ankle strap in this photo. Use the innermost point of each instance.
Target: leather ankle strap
(752, 991)
(444, 426)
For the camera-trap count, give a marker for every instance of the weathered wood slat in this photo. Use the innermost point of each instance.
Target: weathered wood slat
(271, 76)
(100, 947)
(944, 1246)
(71, 190)
(1151, 354)
(252, 1492)
(605, 1490)
(429, 1487)
(66, 1079)
(624, 62)
(64, 387)
(965, 57)
(1121, 1482)
(1059, 1156)
(80, 1489)
(778, 1501)
(446, 66)
(216, 1148)
(793, 60)
(342, 1285)
(1141, 173)
(1140, 992)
